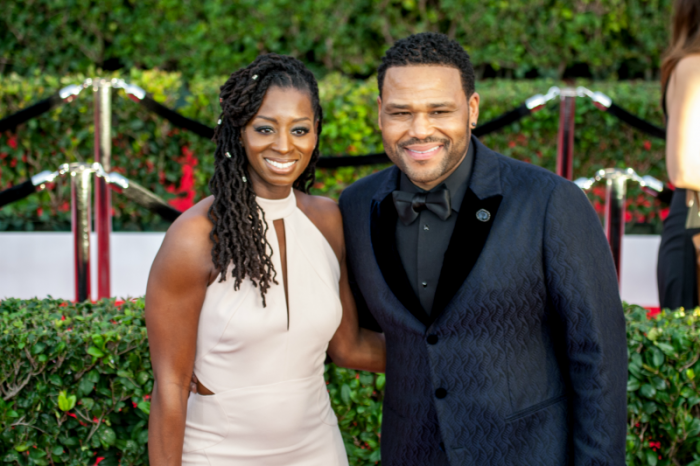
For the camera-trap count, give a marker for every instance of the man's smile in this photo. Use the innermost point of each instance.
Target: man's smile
(423, 151)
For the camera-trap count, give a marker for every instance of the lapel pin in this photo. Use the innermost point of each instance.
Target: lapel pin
(483, 215)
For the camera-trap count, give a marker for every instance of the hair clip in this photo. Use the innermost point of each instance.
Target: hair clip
(228, 155)
(255, 76)
(245, 180)
(218, 122)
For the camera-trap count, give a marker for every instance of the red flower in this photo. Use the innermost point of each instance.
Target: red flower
(663, 213)
(511, 144)
(99, 460)
(39, 211)
(647, 145)
(628, 217)
(12, 142)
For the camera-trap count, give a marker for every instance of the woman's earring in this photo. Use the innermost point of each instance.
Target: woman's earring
(473, 124)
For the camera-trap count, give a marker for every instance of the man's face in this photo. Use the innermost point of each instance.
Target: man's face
(425, 119)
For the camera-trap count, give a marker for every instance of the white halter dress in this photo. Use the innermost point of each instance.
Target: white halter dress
(270, 405)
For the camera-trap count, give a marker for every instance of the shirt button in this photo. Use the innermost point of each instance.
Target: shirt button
(425, 227)
(424, 284)
(432, 339)
(440, 393)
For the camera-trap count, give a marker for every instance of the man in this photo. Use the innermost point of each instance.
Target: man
(491, 280)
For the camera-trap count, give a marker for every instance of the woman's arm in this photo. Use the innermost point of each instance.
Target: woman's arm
(683, 132)
(176, 288)
(351, 346)
(354, 347)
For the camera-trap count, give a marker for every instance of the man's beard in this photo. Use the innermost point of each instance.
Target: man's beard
(453, 155)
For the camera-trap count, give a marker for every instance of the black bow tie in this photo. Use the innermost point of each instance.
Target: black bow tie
(408, 205)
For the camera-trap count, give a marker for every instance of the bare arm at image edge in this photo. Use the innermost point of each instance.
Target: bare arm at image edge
(683, 137)
(176, 288)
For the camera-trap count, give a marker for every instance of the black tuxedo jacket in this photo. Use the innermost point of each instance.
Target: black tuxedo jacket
(523, 360)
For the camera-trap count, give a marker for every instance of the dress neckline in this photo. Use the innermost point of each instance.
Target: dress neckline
(277, 208)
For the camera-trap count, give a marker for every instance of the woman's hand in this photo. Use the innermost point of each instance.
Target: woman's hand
(176, 288)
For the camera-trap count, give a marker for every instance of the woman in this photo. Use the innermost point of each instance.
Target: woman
(250, 289)
(680, 77)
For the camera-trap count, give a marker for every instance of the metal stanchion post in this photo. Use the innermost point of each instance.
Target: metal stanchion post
(615, 205)
(615, 196)
(103, 199)
(81, 175)
(565, 139)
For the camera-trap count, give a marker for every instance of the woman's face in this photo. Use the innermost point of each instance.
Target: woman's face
(279, 141)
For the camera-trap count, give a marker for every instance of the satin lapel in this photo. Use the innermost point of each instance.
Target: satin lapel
(383, 231)
(466, 243)
(470, 234)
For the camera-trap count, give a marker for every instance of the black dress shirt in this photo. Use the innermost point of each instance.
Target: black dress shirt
(422, 244)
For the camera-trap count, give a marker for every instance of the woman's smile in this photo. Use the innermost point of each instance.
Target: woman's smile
(281, 167)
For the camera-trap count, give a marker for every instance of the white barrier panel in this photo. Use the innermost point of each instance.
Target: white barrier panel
(41, 264)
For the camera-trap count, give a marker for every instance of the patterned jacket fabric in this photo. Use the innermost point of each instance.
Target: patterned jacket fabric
(525, 361)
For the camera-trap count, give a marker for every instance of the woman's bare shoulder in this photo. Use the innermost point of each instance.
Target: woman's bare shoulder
(688, 64)
(325, 214)
(686, 73)
(187, 241)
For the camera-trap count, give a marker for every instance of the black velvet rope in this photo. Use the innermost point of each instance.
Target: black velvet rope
(502, 121)
(636, 122)
(16, 193)
(177, 119)
(43, 106)
(328, 161)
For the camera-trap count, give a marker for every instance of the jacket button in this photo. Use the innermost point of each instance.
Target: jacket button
(432, 339)
(440, 393)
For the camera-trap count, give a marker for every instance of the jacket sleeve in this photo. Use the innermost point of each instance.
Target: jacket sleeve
(364, 315)
(583, 290)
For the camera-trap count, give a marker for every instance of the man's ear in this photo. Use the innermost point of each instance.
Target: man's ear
(474, 107)
(379, 112)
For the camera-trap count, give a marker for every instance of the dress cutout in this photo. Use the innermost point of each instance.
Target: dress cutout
(270, 405)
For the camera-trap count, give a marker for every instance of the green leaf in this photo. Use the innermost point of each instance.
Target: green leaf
(65, 402)
(56, 379)
(666, 348)
(106, 435)
(381, 381)
(345, 393)
(142, 377)
(98, 340)
(57, 450)
(144, 406)
(652, 458)
(647, 390)
(632, 384)
(92, 351)
(22, 447)
(38, 348)
(657, 357)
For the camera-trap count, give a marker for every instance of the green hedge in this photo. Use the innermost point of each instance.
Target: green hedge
(177, 165)
(606, 38)
(75, 383)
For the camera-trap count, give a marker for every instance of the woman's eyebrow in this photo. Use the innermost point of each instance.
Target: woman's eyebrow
(275, 121)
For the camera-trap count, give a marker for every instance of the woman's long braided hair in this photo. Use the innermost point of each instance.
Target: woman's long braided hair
(239, 227)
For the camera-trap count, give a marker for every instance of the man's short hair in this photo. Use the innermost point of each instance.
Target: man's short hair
(429, 48)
